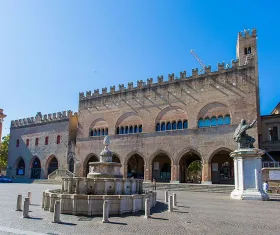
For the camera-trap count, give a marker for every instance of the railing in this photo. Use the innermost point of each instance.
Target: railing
(60, 172)
(272, 142)
(270, 164)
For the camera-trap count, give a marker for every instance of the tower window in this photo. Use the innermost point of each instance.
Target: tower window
(17, 143)
(27, 142)
(247, 50)
(36, 141)
(46, 140)
(58, 139)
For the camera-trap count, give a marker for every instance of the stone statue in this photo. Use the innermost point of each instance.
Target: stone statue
(240, 136)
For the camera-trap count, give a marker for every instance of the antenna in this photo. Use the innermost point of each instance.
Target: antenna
(199, 61)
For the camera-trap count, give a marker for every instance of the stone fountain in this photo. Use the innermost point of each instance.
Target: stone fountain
(85, 195)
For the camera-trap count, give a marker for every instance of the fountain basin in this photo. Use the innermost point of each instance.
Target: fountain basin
(81, 204)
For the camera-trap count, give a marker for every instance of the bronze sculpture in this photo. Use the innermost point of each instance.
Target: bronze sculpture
(241, 137)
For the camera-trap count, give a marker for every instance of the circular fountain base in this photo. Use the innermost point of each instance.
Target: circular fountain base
(81, 204)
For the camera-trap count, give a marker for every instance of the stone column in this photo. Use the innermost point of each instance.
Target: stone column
(175, 174)
(19, 202)
(56, 214)
(148, 172)
(124, 170)
(26, 208)
(106, 206)
(147, 208)
(206, 174)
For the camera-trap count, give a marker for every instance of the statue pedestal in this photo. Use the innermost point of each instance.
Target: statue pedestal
(247, 175)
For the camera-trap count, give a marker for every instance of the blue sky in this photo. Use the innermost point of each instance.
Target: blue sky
(52, 50)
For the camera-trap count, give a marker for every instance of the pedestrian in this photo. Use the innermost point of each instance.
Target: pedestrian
(265, 186)
(154, 185)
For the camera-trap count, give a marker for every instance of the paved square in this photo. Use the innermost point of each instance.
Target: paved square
(197, 213)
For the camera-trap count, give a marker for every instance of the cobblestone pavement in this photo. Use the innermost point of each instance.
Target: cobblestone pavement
(196, 213)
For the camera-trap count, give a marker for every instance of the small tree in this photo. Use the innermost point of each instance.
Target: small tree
(4, 152)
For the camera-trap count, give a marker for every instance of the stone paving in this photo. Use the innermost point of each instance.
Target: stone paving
(196, 213)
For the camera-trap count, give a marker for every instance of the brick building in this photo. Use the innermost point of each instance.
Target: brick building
(2, 116)
(40, 145)
(158, 129)
(270, 138)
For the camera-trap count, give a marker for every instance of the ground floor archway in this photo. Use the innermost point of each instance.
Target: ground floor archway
(36, 169)
(161, 168)
(190, 168)
(53, 165)
(222, 168)
(135, 167)
(20, 168)
(90, 158)
(116, 159)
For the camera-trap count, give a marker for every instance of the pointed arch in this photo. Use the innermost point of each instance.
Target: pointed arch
(51, 164)
(215, 109)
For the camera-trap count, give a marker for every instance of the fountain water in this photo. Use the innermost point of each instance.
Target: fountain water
(85, 196)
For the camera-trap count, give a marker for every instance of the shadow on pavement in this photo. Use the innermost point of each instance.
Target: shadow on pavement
(65, 223)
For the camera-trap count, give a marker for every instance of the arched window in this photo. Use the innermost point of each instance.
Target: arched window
(140, 128)
(220, 120)
(122, 130)
(94, 132)
(106, 131)
(174, 125)
(27, 142)
(131, 129)
(17, 144)
(126, 130)
(91, 133)
(135, 129)
(227, 120)
(168, 126)
(207, 122)
(21, 167)
(158, 127)
(200, 123)
(118, 131)
(162, 126)
(58, 139)
(185, 124)
(102, 132)
(98, 132)
(47, 140)
(36, 141)
(179, 125)
(213, 121)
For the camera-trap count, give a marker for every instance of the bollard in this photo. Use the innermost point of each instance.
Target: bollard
(174, 200)
(29, 196)
(105, 212)
(26, 208)
(19, 202)
(56, 214)
(170, 204)
(147, 208)
(166, 196)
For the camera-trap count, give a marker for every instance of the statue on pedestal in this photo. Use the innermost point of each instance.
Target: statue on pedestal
(241, 137)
